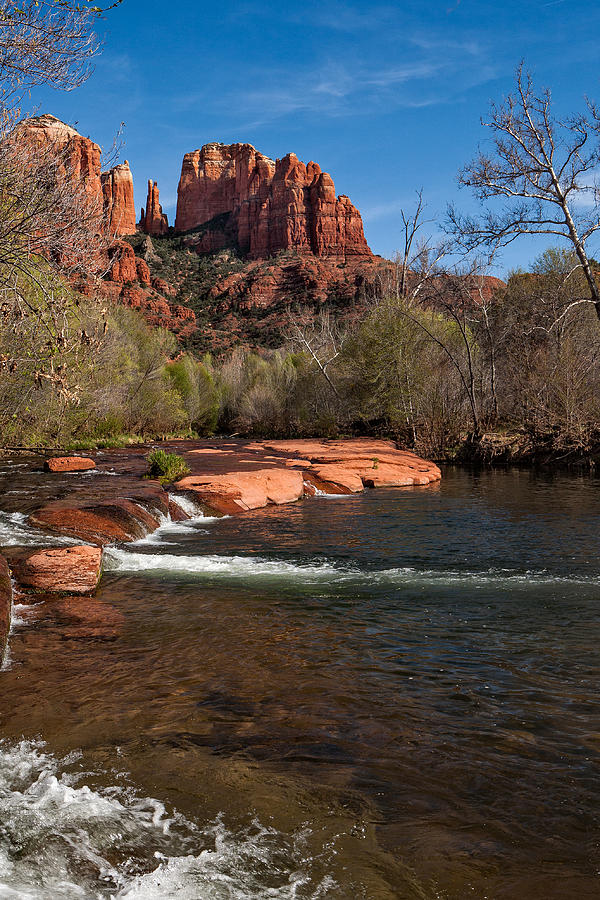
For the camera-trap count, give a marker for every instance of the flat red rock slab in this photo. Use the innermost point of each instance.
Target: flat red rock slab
(240, 491)
(106, 521)
(103, 524)
(70, 570)
(69, 464)
(5, 605)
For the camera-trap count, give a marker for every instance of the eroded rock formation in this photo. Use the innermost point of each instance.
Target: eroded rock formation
(152, 219)
(119, 207)
(80, 160)
(234, 195)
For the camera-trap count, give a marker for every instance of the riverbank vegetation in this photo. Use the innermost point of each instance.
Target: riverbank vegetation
(511, 374)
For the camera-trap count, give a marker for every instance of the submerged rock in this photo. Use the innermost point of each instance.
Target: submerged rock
(72, 570)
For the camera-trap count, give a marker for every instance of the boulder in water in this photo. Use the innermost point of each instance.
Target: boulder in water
(72, 570)
(69, 464)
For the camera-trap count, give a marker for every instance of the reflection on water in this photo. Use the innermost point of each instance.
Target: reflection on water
(388, 695)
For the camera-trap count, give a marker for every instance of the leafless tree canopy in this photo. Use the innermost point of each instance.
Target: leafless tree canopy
(321, 338)
(43, 43)
(542, 169)
(51, 223)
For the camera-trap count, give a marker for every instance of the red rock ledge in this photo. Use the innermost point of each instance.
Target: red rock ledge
(226, 476)
(284, 471)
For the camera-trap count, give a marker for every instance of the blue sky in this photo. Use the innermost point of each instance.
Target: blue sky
(385, 97)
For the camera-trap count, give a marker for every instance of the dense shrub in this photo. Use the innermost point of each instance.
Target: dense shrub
(167, 467)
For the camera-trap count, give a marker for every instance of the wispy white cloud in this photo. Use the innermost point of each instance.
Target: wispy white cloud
(336, 90)
(445, 45)
(346, 18)
(393, 68)
(405, 73)
(381, 211)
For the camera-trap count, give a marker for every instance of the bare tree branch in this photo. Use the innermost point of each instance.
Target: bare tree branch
(537, 165)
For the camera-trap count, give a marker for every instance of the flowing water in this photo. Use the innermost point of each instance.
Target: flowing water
(389, 695)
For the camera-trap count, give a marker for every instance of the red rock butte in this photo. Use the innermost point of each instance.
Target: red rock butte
(82, 161)
(231, 193)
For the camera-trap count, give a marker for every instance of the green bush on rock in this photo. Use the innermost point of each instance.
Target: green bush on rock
(167, 467)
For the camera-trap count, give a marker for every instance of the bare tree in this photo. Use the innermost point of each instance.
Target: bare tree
(544, 169)
(322, 338)
(51, 221)
(43, 42)
(434, 276)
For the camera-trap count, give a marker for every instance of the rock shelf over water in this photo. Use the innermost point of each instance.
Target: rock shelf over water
(283, 471)
(226, 477)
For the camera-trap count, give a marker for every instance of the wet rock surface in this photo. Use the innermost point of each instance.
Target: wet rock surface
(5, 605)
(103, 519)
(112, 502)
(283, 471)
(73, 570)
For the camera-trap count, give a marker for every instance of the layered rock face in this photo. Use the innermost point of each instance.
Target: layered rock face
(241, 196)
(80, 160)
(79, 156)
(117, 190)
(152, 219)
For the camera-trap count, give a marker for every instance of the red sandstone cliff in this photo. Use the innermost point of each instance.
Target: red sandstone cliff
(79, 157)
(152, 219)
(117, 190)
(243, 197)
(128, 281)
(80, 160)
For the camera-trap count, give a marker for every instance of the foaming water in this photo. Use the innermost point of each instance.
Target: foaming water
(59, 838)
(186, 504)
(15, 531)
(236, 567)
(230, 567)
(170, 532)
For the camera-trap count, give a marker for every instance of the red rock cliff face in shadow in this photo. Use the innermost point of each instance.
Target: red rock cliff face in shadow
(152, 219)
(128, 281)
(264, 207)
